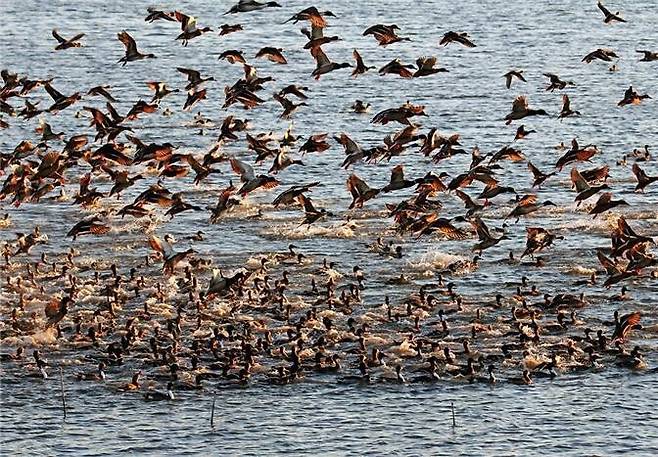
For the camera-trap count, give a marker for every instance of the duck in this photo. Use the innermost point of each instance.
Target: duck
(649, 56)
(311, 14)
(132, 54)
(360, 68)
(524, 380)
(609, 17)
(272, 54)
(189, 30)
(426, 67)
(566, 110)
(360, 107)
(605, 203)
(157, 395)
(631, 97)
(556, 83)
(246, 6)
(643, 180)
(601, 54)
(323, 64)
(455, 37)
(510, 75)
(64, 43)
(98, 375)
(520, 110)
(526, 205)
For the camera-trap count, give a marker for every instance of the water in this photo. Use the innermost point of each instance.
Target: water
(600, 413)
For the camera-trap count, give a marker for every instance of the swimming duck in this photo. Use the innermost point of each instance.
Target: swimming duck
(157, 395)
(98, 375)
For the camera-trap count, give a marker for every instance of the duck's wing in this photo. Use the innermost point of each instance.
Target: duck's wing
(58, 37)
(54, 94)
(196, 166)
(536, 172)
(578, 181)
(307, 204)
(468, 201)
(481, 229)
(357, 186)
(605, 10)
(520, 104)
(527, 200)
(245, 170)
(320, 57)
(358, 59)
(604, 199)
(425, 62)
(192, 75)
(316, 32)
(127, 41)
(76, 38)
(639, 173)
(397, 174)
(610, 267)
(161, 246)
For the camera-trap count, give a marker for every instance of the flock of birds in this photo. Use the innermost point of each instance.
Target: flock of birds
(175, 321)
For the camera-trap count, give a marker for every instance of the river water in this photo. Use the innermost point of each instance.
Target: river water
(602, 412)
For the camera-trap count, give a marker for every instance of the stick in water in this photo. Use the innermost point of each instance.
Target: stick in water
(61, 384)
(452, 407)
(212, 412)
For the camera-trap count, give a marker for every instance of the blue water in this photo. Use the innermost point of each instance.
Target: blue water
(592, 413)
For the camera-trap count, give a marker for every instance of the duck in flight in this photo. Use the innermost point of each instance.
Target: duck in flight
(631, 97)
(311, 14)
(67, 43)
(323, 64)
(556, 83)
(526, 205)
(132, 53)
(601, 54)
(361, 67)
(566, 110)
(385, 34)
(454, 37)
(426, 67)
(649, 56)
(510, 75)
(520, 110)
(643, 180)
(605, 203)
(609, 17)
(583, 188)
(246, 6)
(189, 29)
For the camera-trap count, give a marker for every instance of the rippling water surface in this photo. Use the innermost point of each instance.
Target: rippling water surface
(593, 413)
